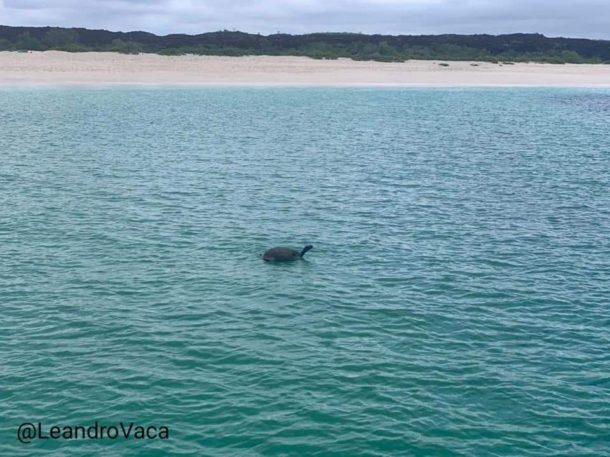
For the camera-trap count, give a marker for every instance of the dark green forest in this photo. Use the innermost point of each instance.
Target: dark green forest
(518, 47)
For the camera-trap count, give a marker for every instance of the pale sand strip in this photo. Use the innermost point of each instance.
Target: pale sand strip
(62, 68)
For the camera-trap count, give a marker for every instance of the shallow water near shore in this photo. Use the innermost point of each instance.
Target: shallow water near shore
(456, 301)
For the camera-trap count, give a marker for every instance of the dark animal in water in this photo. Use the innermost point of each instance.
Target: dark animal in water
(281, 254)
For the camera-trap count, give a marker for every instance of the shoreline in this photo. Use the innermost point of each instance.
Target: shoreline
(57, 68)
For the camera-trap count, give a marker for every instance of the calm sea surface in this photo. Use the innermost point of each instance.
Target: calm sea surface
(456, 302)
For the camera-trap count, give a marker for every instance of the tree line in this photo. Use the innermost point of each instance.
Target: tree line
(518, 47)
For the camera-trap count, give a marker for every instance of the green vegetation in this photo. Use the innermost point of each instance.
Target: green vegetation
(384, 48)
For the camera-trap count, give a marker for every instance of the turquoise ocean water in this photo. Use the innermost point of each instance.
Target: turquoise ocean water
(456, 303)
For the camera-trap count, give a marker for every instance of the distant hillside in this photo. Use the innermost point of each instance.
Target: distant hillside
(517, 47)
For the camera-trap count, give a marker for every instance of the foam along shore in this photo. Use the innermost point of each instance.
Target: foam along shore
(101, 68)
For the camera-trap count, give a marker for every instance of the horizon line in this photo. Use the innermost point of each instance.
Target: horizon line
(304, 34)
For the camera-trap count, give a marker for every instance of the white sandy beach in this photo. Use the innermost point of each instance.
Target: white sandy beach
(97, 68)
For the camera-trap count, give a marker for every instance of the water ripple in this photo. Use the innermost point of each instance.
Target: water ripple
(456, 301)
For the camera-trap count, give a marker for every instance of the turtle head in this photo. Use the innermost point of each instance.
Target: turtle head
(309, 247)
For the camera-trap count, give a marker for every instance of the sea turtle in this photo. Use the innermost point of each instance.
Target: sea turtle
(281, 254)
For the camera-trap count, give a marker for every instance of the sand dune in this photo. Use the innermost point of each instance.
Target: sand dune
(62, 68)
